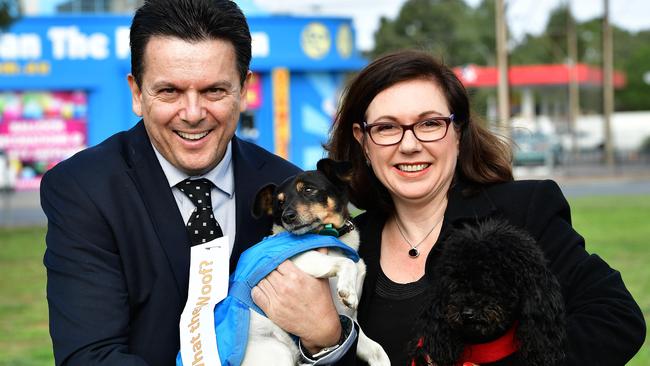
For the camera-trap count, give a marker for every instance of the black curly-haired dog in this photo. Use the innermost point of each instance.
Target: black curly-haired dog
(493, 301)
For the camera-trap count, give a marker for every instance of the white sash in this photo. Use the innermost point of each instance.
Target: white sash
(209, 269)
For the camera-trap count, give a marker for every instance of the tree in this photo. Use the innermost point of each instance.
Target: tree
(631, 55)
(460, 35)
(548, 47)
(632, 58)
(449, 29)
(9, 11)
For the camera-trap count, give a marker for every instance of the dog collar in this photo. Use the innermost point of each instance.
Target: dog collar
(491, 351)
(330, 230)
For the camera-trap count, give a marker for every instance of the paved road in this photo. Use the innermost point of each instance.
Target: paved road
(609, 187)
(593, 180)
(23, 208)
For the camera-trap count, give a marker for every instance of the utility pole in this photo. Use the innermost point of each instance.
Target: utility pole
(574, 91)
(608, 88)
(502, 65)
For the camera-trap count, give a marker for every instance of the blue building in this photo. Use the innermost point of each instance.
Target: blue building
(63, 86)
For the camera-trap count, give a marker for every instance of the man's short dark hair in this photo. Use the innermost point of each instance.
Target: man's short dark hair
(192, 21)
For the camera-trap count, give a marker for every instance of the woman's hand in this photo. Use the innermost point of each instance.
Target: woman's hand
(300, 304)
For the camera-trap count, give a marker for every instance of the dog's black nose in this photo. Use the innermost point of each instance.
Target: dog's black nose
(468, 313)
(289, 216)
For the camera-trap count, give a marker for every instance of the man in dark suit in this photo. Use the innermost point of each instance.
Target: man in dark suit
(118, 250)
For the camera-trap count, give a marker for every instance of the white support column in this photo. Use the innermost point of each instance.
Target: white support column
(528, 104)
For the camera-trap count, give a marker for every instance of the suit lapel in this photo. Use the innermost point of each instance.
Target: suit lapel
(462, 205)
(154, 189)
(247, 166)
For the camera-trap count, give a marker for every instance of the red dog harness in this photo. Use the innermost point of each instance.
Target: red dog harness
(495, 350)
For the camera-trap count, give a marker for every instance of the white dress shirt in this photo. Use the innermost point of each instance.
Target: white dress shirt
(223, 205)
(222, 193)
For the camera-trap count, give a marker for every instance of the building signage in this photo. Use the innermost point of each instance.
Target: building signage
(39, 129)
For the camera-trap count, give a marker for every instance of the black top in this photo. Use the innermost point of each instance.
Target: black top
(398, 305)
(604, 324)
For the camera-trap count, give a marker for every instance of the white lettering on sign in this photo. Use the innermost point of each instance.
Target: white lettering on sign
(260, 44)
(70, 43)
(122, 47)
(25, 46)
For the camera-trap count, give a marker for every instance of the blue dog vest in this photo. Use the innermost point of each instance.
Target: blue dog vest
(232, 314)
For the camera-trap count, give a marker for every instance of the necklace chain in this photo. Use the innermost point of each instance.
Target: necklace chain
(414, 252)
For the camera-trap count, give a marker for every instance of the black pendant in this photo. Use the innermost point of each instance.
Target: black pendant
(414, 253)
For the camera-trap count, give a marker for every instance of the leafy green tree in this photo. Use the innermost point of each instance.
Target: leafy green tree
(634, 60)
(548, 47)
(461, 35)
(449, 29)
(631, 55)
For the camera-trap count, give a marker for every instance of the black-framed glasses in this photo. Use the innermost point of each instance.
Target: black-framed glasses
(391, 133)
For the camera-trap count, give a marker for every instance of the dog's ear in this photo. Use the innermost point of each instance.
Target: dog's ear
(435, 340)
(338, 172)
(263, 205)
(541, 331)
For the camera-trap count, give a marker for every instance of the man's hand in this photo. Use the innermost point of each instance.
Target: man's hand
(300, 304)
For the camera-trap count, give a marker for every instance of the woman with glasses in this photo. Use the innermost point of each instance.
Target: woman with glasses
(423, 163)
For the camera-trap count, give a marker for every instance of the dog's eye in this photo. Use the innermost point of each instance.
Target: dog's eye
(309, 190)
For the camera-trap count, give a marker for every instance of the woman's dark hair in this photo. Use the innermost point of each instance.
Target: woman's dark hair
(192, 21)
(483, 158)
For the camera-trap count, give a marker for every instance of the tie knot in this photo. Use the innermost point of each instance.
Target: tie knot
(197, 190)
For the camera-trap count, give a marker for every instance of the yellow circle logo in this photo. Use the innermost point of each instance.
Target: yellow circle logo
(344, 41)
(315, 40)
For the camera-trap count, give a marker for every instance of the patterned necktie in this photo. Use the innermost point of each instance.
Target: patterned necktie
(202, 225)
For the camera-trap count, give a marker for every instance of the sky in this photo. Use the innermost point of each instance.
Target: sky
(524, 16)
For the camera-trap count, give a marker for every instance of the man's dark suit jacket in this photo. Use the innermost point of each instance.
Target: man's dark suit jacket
(118, 252)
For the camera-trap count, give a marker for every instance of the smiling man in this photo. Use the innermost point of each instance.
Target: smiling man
(190, 97)
(118, 249)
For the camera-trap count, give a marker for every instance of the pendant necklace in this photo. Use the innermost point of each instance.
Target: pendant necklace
(414, 252)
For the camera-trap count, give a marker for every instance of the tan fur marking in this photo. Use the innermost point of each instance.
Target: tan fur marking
(267, 202)
(331, 204)
(327, 214)
(317, 210)
(299, 186)
(347, 178)
(305, 212)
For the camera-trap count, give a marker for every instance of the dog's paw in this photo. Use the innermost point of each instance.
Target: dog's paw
(380, 361)
(379, 358)
(348, 298)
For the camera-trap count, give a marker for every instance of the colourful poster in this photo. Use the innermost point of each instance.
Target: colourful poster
(254, 94)
(39, 129)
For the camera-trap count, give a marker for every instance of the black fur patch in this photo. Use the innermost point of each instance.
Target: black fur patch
(489, 276)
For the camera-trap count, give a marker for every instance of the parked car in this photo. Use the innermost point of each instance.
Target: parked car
(535, 148)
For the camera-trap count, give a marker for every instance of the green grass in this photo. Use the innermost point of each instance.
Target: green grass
(24, 337)
(614, 227)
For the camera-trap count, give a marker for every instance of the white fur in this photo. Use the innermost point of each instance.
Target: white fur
(269, 345)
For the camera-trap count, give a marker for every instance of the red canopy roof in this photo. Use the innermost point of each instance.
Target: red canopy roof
(474, 76)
